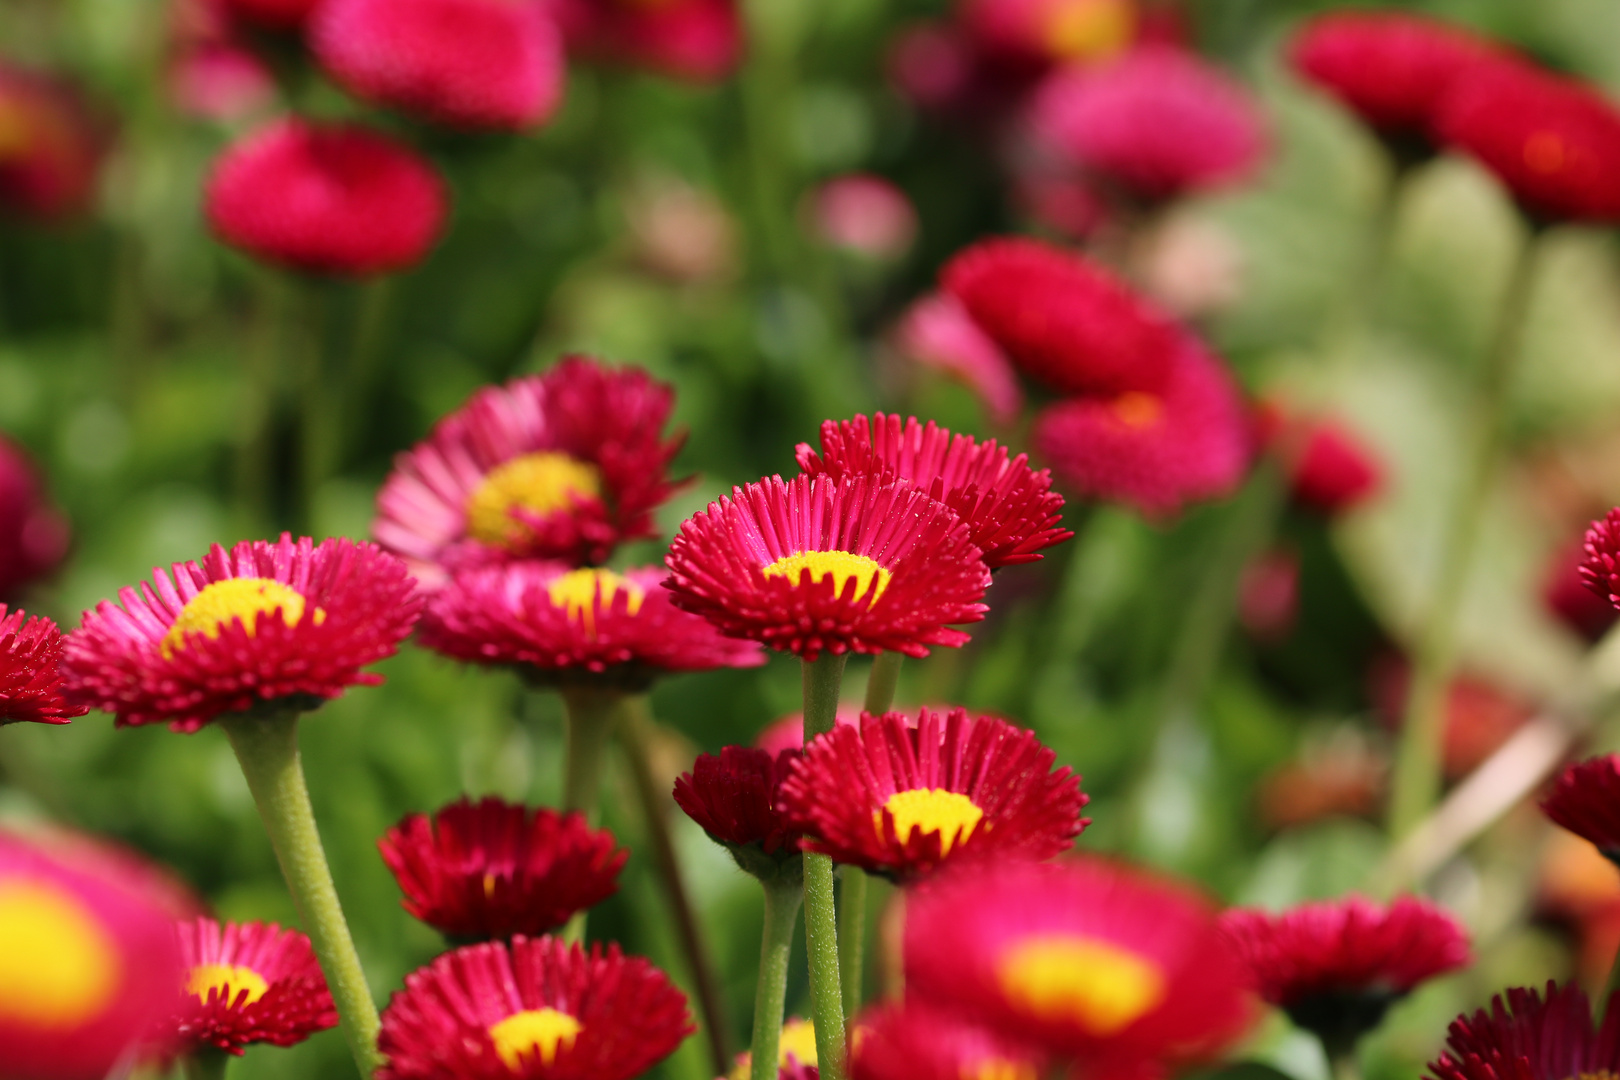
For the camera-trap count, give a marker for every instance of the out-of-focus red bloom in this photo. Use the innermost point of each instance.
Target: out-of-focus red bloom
(30, 684)
(1480, 715)
(333, 199)
(1330, 469)
(1052, 31)
(51, 146)
(1586, 801)
(937, 332)
(1061, 200)
(681, 232)
(248, 983)
(1566, 594)
(865, 215)
(1531, 1036)
(212, 71)
(1553, 142)
(33, 535)
(275, 14)
(492, 869)
(695, 40)
(1600, 569)
(914, 1041)
(788, 732)
(1577, 887)
(736, 798)
(931, 64)
(1268, 594)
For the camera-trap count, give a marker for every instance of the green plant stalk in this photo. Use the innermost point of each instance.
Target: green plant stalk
(267, 747)
(1415, 783)
(822, 679)
(881, 683)
(205, 1063)
(591, 714)
(782, 900)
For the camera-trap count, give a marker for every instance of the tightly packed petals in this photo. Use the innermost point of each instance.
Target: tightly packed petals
(1566, 595)
(291, 622)
(560, 625)
(1586, 801)
(735, 797)
(248, 983)
(818, 565)
(1010, 509)
(276, 14)
(937, 332)
(1156, 124)
(901, 799)
(694, 40)
(492, 869)
(33, 536)
(30, 684)
(1083, 957)
(563, 465)
(484, 64)
(1065, 322)
(51, 146)
(1528, 1036)
(1153, 451)
(916, 1042)
(326, 198)
(538, 1009)
(1046, 31)
(1600, 569)
(1553, 142)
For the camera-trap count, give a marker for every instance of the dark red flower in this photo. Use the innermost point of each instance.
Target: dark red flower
(1600, 570)
(1010, 509)
(51, 146)
(1586, 801)
(1330, 470)
(915, 1041)
(33, 535)
(1531, 1037)
(492, 869)
(696, 40)
(1566, 595)
(276, 14)
(1065, 322)
(325, 198)
(30, 685)
(735, 798)
(248, 983)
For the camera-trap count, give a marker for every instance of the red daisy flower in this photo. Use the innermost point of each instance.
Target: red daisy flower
(492, 869)
(249, 983)
(1337, 966)
(1066, 322)
(817, 565)
(560, 625)
(290, 622)
(1528, 1037)
(277, 14)
(1010, 509)
(1553, 142)
(937, 332)
(325, 198)
(695, 40)
(537, 1010)
(916, 1042)
(1566, 596)
(1153, 451)
(736, 798)
(900, 799)
(33, 536)
(30, 685)
(1083, 957)
(1586, 801)
(565, 465)
(1046, 31)
(51, 146)
(500, 67)
(1330, 470)
(1600, 570)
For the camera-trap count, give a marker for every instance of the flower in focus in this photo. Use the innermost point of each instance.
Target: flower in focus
(900, 799)
(560, 625)
(937, 332)
(566, 465)
(795, 1054)
(51, 146)
(1337, 966)
(536, 1008)
(274, 14)
(33, 535)
(1083, 957)
(290, 623)
(248, 983)
(1052, 30)
(326, 198)
(788, 731)
(492, 869)
(1586, 801)
(694, 40)
(1530, 1036)
(88, 958)
(916, 1042)
(1600, 569)
(865, 215)
(817, 564)
(501, 67)
(736, 797)
(1010, 509)
(30, 684)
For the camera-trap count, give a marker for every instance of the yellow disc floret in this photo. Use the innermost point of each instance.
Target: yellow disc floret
(1088, 29)
(533, 1032)
(229, 980)
(951, 814)
(583, 592)
(244, 598)
(59, 968)
(540, 483)
(870, 578)
(798, 1040)
(1095, 984)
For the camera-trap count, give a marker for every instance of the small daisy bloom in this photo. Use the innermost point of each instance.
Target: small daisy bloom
(735, 797)
(30, 684)
(249, 983)
(1600, 568)
(1586, 801)
(915, 1041)
(1531, 1036)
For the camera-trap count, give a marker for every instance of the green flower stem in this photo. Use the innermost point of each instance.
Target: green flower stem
(782, 899)
(1415, 783)
(822, 679)
(635, 727)
(205, 1063)
(882, 682)
(591, 714)
(267, 748)
(880, 686)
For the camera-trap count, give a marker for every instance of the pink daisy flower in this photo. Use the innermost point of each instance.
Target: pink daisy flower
(248, 983)
(30, 684)
(33, 535)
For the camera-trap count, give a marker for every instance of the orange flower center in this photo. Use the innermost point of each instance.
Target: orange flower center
(541, 483)
(999, 1069)
(870, 578)
(1097, 985)
(534, 1033)
(244, 598)
(932, 810)
(581, 593)
(59, 967)
(229, 980)
(1087, 29)
(1137, 410)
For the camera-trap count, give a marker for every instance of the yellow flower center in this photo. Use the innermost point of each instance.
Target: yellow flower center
(798, 1039)
(841, 566)
(1087, 29)
(999, 1069)
(1099, 986)
(534, 1032)
(1544, 152)
(581, 593)
(229, 980)
(949, 813)
(1138, 410)
(244, 598)
(58, 966)
(540, 483)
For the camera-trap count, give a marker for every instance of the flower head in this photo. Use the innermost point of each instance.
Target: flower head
(1051, 31)
(817, 564)
(1564, 593)
(693, 40)
(1530, 1036)
(492, 869)
(564, 465)
(937, 332)
(1330, 469)
(1600, 569)
(536, 1009)
(901, 799)
(326, 198)
(291, 622)
(914, 1041)
(1586, 801)
(1010, 509)
(736, 797)
(248, 983)
(33, 536)
(51, 146)
(30, 685)
(275, 14)
(865, 215)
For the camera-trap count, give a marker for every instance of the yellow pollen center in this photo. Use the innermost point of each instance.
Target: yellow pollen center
(841, 566)
(1544, 152)
(229, 980)
(534, 1032)
(1087, 29)
(949, 813)
(1137, 410)
(798, 1040)
(541, 483)
(1099, 986)
(58, 966)
(243, 598)
(999, 1069)
(577, 593)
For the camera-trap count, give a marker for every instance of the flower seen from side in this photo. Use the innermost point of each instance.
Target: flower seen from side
(1585, 799)
(914, 1041)
(248, 983)
(33, 535)
(697, 41)
(735, 797)
(1532, 1036)
(30, 684)
(937, 332)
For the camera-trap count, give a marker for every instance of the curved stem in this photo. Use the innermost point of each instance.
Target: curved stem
(782, 899)
(822, 679)
(591, 714)
(267, 748)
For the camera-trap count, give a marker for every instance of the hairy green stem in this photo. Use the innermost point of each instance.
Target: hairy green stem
(822, 680)
(591, 714)
(205, 1063)
(882, 682)
(852, 936)
(782, 900)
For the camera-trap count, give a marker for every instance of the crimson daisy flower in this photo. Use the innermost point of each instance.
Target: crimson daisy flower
(937, 332)
(492, 869)
(1530, 1037)
(1565, 594)
(1336, 967)
(915, 1041)
(1010, 509)
(290, 623)
(900, 799)
(735, 798)
(816, 564)
(30, 684)
(563, 465)
(560, 625)
(1586, 801)
(536, 1009)
(1600, 569)
(1083, 958)
(694, 40)
(248, 983)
